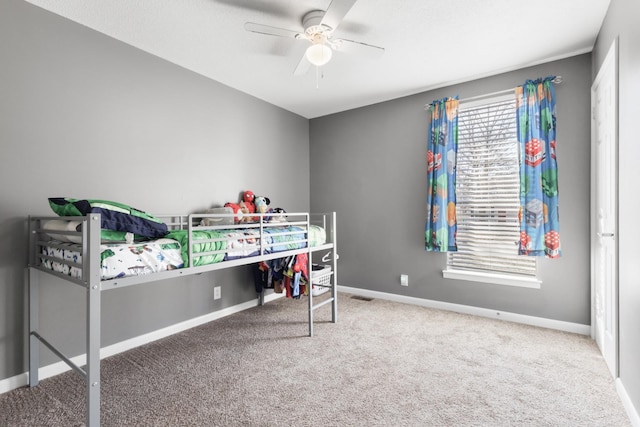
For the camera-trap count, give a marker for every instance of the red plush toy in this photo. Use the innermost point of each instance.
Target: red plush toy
(249, 199)
(237, 211)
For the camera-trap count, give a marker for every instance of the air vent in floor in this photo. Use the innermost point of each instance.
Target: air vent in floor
(361, 298)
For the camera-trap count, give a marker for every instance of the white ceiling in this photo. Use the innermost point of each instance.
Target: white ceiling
(428, 43)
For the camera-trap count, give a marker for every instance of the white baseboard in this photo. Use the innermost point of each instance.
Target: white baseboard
(628, 405)
(17, 381)
(54, 369)
(476, 311)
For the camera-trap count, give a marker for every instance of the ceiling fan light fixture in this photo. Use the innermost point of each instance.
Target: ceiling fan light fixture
(319, 54)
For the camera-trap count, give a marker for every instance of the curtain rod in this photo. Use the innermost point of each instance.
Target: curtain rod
(556, 80)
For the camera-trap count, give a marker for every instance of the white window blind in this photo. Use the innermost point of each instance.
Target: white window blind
(487, 192)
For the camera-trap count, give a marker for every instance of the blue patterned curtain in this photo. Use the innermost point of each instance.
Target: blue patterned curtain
(442, 147)
(539, 217)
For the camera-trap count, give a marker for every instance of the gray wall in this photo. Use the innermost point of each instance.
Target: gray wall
(369, 166)
(85, 116)
(622, 23)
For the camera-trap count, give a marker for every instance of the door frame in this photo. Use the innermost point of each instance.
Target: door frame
(611, 59)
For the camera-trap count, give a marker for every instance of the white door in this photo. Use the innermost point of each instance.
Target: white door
(604, 211)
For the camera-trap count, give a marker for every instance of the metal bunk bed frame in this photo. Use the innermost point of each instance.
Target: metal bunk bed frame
(94, 286)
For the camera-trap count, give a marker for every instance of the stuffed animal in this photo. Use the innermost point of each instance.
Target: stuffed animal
(246, 214)
(238, 214)
(278, 215)
(262, 206)
(249, 199)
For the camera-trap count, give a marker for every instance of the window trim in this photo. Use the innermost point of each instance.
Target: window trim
(494, 278)
(497, 278)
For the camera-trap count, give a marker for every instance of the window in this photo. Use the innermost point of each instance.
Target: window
(487, 193)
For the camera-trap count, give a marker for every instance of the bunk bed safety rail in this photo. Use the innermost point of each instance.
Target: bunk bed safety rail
(45, 237)
(273, 225)
(327, 221)
(270, 234)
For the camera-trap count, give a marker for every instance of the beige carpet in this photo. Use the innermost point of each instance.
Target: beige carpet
(382, 364)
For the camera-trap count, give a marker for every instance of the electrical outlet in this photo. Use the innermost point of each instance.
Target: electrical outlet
(217, 293)
(404, 280)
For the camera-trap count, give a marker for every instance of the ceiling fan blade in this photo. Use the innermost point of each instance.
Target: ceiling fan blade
(358, 48)
(303, 66)
(270, 31)
(336, 12)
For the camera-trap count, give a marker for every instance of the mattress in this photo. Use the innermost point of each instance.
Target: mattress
(209, 246)
(118, 259)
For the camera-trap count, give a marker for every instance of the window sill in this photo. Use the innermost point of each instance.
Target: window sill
(497, 279)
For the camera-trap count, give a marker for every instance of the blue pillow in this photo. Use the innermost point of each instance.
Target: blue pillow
(114, 216)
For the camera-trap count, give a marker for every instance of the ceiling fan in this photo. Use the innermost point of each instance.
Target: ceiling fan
(319, 27)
